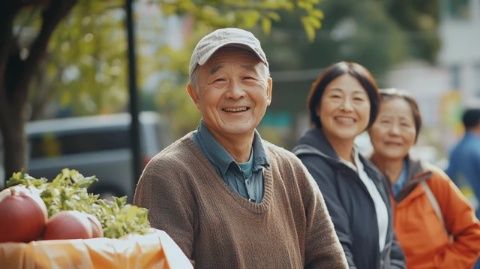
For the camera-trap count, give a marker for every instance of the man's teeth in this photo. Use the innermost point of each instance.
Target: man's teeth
(235, 109)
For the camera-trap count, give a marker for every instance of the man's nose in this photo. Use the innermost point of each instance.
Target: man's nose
(235, 91)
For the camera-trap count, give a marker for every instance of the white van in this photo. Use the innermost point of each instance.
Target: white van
(96, 145)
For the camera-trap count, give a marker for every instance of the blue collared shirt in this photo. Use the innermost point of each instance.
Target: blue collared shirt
(402, 179)
(245, 179)
(464, 165)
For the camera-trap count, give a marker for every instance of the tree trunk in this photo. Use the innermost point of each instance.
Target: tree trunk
(12, 124)
(14, 143)
(17, 73)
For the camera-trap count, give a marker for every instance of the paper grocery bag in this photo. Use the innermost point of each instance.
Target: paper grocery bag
(153, 250)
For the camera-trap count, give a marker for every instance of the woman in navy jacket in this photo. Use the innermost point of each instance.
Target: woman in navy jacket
(343, 102)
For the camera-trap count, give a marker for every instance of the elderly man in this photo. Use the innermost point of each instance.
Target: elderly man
(227, 197)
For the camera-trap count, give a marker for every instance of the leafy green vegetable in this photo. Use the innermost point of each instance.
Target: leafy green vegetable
(68, 191)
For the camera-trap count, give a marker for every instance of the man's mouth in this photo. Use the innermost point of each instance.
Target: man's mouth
(236, 109)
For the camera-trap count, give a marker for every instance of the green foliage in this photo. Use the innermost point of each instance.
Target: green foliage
(172, 99)
(419, 20)
(68, 191)
(174, 103)
(245, 13)
(347, 33)
(377, 34)
(85, 72)
(370, 32)
(87, 67)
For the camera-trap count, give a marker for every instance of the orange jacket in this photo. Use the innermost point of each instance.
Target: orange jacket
(420, 232)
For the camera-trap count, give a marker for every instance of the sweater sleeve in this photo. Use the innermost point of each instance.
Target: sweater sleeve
(323, 249)
(337, 212)
(460, 222)
(162, 190)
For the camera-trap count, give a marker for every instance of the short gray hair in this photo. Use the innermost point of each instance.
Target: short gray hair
(194, 76)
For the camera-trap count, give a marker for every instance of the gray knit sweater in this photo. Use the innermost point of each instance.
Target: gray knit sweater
(217, 228)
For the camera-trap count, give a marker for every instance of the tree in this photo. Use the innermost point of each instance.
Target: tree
(85, 66)
(21, 58)
(377, 34)
(18, 64)
(419, 20)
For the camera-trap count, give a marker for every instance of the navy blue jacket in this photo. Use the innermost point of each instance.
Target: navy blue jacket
(350, 204)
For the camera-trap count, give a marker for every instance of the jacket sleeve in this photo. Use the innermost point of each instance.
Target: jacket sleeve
(460, 222)
(324, 177)
(397, 258)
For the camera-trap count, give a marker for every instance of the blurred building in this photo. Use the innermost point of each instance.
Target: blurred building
(460, 31)
(445, 89)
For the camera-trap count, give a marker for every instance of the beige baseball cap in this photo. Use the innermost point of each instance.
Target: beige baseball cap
(217, 39)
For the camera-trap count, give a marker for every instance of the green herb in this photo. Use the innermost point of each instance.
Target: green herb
(68, 191)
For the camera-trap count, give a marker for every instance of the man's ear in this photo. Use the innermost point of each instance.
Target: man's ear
(269, 90)
(193, 94)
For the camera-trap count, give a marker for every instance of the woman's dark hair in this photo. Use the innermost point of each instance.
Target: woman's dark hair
(388, 94)
(471, 118)
(357, 71)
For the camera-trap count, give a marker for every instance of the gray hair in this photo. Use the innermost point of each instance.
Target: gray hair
(194, 77)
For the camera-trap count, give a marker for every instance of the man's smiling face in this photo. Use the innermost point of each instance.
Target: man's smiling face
(232, 90)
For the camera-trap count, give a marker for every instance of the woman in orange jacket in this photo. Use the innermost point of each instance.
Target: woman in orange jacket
(434, 223)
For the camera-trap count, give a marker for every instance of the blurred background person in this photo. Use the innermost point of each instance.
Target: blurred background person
(342, 103)
(464, 159)
(434, 223)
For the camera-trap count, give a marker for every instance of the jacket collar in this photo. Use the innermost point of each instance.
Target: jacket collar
(315, 140)
(416, 174)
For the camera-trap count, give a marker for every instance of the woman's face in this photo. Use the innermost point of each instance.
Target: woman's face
(393, 132)
(344, 109)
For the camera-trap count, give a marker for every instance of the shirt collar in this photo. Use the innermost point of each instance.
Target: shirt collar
(356, 159)
(401, 180)
(471, 135)
(357, 164)
(220, 157)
